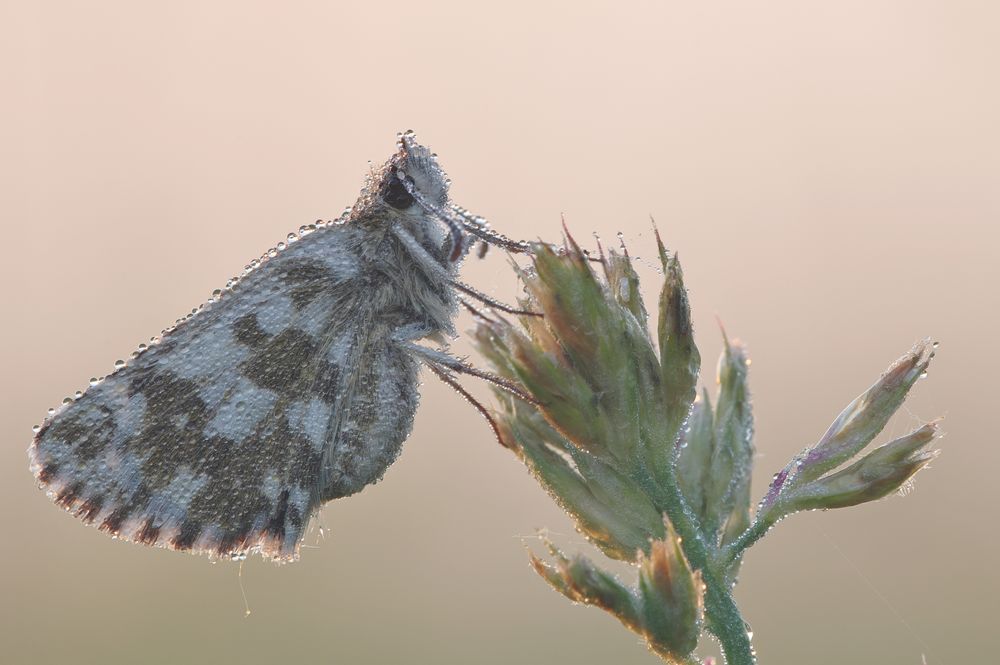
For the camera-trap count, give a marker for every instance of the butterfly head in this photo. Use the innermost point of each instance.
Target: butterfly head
(412, 179)
(413, 189)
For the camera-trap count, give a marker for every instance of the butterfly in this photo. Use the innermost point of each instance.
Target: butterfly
(294, 386)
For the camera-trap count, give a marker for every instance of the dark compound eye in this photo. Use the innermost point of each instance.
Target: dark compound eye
(395, 194)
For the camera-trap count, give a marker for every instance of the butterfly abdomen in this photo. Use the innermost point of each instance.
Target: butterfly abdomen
(377, 416)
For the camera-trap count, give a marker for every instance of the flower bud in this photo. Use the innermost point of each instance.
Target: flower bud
(877, 474)
(865, 417)
(608, 508)
(680, 361)
(623, 282)
(694, 461)
(598, 364)
(728, 480)
(671, 595)
(582, 582)
(716, 454)
(666, 608)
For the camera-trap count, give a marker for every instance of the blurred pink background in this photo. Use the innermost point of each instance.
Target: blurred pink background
(828, 172)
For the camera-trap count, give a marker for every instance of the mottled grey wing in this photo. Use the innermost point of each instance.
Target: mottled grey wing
(213, 439)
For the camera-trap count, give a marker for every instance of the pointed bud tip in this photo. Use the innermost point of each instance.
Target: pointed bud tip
(571, 243)
(913, 365)
(660, 247)
(722, 329)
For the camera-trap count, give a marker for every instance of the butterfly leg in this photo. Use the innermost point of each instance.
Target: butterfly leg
(436, 358)
(492, 302)
(444, 366)
(485, 412)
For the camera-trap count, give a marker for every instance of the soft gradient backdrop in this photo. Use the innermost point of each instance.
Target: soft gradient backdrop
(828, 172)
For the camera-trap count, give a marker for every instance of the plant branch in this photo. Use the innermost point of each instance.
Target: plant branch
(724, 618)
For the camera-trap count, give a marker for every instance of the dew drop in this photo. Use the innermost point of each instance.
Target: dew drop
(216, 293)
(36, 428)
(78, 394)
(119, 364)
(94, 380)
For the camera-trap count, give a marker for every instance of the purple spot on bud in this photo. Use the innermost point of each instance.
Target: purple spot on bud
(775, 489)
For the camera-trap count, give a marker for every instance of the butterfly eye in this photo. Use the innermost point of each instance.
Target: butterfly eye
(395, 194)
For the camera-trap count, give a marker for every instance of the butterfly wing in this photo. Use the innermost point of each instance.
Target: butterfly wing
(221, 437)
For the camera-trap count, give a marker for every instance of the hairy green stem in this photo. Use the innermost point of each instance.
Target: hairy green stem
(744, 541)
(724, 618)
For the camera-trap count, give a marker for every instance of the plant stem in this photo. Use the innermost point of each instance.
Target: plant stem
(733, 550)
(724, 618)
